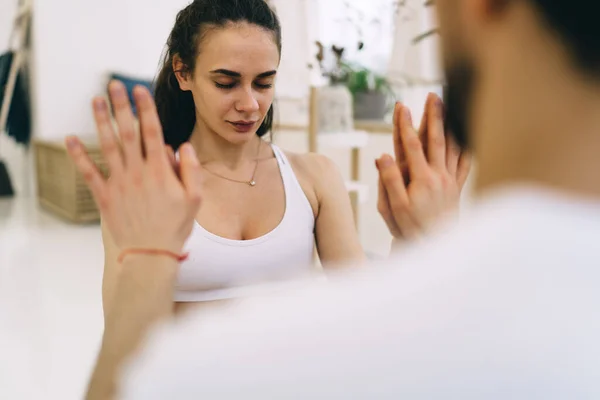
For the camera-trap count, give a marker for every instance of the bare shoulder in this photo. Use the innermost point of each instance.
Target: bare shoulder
(318, 175)
(313, 166)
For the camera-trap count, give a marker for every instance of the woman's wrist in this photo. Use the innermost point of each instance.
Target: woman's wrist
(140, 265)
(152, 251)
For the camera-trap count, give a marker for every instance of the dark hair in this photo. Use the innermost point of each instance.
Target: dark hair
(176, 108)
(576, 23)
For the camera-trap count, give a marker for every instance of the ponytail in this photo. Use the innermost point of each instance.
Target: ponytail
(175, 107)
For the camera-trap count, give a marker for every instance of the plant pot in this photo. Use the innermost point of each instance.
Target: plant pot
(370, 105)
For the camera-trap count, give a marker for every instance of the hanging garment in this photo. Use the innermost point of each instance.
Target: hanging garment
(18, 125)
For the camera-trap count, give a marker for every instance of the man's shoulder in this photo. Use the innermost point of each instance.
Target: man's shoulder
(506, 230)
(448, 311)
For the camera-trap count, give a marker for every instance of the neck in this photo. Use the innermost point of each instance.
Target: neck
(538, 124)
(212, 148)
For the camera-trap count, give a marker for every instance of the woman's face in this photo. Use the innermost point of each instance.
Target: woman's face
(233, 80)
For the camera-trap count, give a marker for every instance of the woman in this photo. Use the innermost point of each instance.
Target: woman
(263, 210)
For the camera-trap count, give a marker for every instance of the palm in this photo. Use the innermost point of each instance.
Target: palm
(425, 181)
(144, 203)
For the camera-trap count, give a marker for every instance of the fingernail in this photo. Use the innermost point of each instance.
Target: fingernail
(386, 161)
(139, 92)
(407, 115)
(71, 142)
(117, 89)
(99, 105)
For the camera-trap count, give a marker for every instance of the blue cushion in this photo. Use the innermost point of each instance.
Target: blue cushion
(130, 83)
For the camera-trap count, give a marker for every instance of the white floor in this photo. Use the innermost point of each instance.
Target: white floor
(50, 303)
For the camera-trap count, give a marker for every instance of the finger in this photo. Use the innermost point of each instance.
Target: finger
(464, 167)
(130, 140)
(384, 208)
(436, 141)
(397, 196)
(90, 172)
(170, 155)
(150, 127)
(404, 171)
(173, 160)
(453, 152)
(398, 151)
(413, 148)
(191, 176)
(423, 130)
(108, 142)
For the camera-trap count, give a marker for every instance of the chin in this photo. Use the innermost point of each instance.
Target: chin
(236, 137)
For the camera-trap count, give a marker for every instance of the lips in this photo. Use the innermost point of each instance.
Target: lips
(242, 126)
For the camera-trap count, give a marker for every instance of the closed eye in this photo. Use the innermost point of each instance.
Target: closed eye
(222, 86)
(264, 85)
(234, 84)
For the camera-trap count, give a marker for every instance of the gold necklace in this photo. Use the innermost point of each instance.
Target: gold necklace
(250, 182)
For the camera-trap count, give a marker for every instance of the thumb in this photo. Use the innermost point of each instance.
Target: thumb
(191, 175)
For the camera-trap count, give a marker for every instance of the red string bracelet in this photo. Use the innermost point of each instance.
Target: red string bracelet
(153, 252)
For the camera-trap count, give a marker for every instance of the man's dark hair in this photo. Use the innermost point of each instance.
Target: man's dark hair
(576, 22)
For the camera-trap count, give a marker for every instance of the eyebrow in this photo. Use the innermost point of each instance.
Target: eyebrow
(234, 74)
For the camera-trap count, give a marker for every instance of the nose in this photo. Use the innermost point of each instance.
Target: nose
(247, 101)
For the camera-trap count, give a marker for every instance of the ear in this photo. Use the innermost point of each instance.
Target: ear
(488, 10)
(182, 73)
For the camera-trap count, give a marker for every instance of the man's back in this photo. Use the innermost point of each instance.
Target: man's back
(505, 306)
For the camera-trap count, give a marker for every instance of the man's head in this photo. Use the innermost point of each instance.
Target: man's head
(497, 51)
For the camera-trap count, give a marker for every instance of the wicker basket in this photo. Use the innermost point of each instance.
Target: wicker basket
(60, 187)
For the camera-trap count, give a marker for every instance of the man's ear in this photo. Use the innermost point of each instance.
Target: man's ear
(490, 9)
(182, 73)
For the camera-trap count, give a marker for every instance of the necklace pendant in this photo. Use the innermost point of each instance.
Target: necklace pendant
(252, 183)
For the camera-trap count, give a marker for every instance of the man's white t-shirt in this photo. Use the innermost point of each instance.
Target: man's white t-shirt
(504, 306)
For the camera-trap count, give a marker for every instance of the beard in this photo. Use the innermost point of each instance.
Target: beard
(457, 95)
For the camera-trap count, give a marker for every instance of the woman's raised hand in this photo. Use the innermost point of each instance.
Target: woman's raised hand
(426, 178)
(144, 204)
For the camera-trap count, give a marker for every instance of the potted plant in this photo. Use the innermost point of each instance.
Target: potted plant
(371, 92)
(334, 99)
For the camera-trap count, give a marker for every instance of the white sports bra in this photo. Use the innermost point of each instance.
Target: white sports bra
(220, 268)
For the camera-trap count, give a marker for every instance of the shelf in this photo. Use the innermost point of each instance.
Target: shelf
(343, 140)
(22, 11)
(360, 188)
(374, 126)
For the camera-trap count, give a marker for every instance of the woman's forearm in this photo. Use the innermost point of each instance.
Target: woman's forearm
(145, 291)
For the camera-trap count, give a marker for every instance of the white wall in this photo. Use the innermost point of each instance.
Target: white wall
(338, 21)
(7, 12)
(78, 43)
(421, 62)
